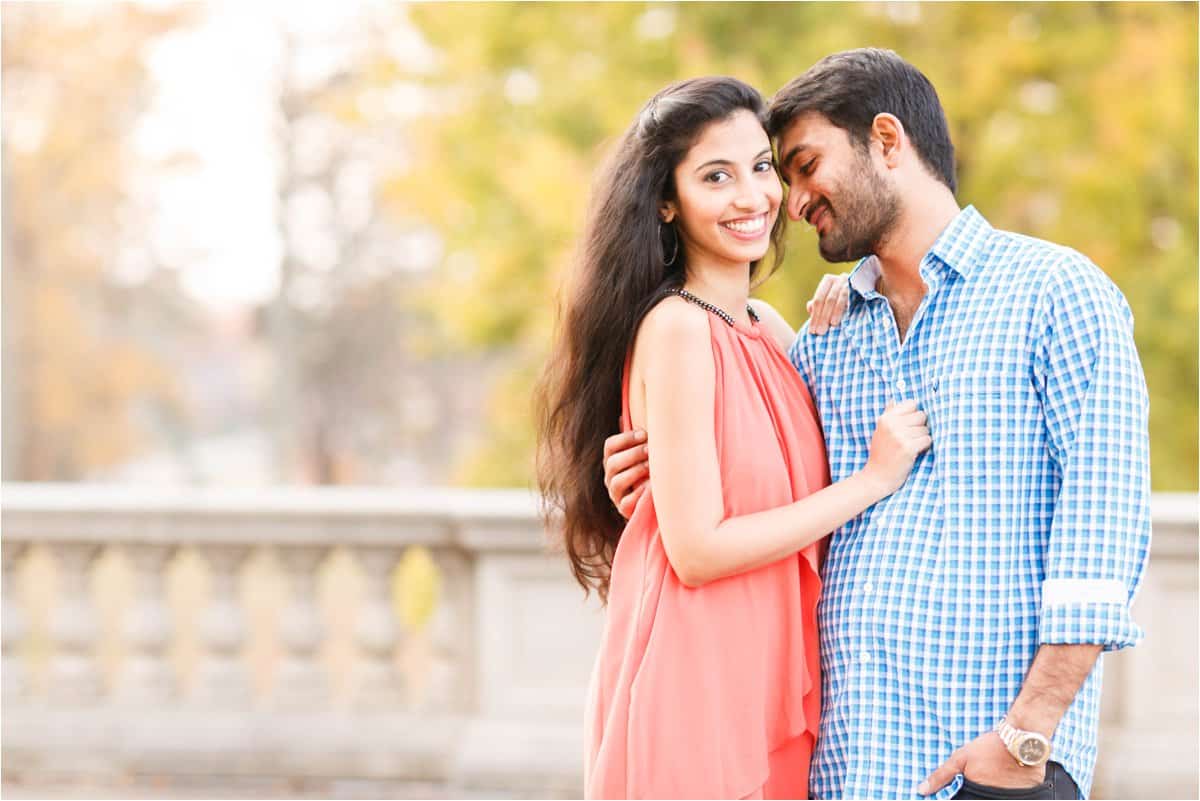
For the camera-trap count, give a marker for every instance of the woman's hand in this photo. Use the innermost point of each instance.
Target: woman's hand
(828, 304)
(900, 437)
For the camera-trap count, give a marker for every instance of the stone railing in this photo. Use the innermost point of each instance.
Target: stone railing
(507, 651)
(492, 699)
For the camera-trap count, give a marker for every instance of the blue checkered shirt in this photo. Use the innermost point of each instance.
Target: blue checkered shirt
(1027, 522)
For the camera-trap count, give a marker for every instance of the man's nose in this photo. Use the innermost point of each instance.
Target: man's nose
(796, 202)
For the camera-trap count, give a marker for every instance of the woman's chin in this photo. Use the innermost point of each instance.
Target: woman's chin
(749, 251)
(756, 254)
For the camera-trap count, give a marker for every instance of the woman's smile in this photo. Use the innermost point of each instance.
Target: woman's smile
(747, 228)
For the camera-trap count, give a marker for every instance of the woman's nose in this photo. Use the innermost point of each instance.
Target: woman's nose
(751, 198)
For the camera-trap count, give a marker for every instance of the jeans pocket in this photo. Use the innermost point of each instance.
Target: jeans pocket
(972, 789)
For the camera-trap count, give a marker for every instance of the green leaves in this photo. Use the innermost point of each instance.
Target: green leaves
(1072, 122)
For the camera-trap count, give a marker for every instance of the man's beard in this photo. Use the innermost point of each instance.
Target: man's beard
(867, 210)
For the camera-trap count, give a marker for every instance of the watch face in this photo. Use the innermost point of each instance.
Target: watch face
(1031, 751)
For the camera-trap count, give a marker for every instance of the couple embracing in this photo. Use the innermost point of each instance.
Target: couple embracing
(877, 559)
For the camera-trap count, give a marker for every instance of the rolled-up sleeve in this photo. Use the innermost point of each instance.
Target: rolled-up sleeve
(1096, 406)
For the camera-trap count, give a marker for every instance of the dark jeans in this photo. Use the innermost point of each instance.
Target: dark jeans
(1058, 784)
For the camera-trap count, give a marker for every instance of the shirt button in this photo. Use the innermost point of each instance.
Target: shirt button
(868, 587)
(901, 384)
(866, 657)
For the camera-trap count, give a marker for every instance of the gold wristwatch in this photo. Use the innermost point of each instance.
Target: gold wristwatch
(1029, 748)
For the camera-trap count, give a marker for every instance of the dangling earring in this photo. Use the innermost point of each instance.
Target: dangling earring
(675, 238)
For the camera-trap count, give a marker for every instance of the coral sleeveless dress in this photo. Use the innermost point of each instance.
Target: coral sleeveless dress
(714, 692)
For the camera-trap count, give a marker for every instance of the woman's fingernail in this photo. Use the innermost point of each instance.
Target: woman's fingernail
(639, 435)
(923, 789)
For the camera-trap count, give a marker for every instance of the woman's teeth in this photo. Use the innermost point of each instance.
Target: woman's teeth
(747, 226)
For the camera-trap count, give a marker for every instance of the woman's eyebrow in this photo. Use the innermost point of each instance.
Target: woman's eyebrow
(727, 162)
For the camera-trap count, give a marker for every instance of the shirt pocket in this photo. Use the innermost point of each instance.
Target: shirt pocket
(981, 424)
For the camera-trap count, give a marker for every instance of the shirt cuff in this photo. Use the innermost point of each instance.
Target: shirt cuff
(1087, 612)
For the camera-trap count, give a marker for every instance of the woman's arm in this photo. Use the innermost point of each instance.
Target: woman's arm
(826, 308)
(680, 384)
(625, 465)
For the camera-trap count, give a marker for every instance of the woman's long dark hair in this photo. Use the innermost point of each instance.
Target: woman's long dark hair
(621, 272)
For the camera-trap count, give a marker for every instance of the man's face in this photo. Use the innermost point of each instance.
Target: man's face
(836, 187)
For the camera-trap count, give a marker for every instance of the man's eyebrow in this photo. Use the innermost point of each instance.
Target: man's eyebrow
(727, 162)
(791, 154)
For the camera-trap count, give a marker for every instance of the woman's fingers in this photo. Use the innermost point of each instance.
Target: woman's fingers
(819, 316)
(840, 301)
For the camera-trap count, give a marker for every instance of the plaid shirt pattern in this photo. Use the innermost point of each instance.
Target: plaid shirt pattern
(1027, 522)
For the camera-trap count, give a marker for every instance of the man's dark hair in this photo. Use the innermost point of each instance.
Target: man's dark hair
(851, 87)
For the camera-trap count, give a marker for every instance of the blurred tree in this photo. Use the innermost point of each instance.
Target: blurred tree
(328, 328)
(529, 95)
(355, 398)
(80, 378)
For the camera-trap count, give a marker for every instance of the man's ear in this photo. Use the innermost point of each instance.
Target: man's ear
(889, 133)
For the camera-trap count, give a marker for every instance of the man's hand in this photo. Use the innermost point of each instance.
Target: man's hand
(626, 468)
(984, 760)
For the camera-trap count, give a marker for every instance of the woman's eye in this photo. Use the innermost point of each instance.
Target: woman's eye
(718, 177)
(764, 166)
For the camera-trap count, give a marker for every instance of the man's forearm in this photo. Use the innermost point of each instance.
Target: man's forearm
(1054, 678)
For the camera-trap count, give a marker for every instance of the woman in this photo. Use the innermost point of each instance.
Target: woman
(706, 682)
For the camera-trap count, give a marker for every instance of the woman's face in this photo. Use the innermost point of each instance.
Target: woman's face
(727, 194)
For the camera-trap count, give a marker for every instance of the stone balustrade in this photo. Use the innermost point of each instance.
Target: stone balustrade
(496, 702)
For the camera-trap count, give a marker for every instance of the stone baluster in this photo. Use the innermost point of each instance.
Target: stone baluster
(74, 628)
(302, 681)
(223, 677)
(378, 632)
(148, 629)
(12, 626)
(451, 634)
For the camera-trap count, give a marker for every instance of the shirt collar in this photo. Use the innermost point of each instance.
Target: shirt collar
(961, 243)
(958, 247)
(864, 278)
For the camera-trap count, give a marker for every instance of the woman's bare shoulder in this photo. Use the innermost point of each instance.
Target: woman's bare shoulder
(673, 316)
(670, 347)
(673, 325)
(773, 320)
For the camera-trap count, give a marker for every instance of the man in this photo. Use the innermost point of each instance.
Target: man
(962, 618)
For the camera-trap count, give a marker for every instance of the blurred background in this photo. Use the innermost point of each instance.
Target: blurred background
(277, 280)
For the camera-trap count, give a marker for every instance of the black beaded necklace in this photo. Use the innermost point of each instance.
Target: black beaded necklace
(724, 315)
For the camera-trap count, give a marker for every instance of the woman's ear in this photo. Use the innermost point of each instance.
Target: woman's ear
(667, 211)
